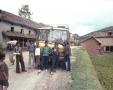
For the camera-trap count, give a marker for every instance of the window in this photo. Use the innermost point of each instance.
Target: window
(107, 48)
(29, 32)
(110, 33)
(22, 31)
(12, 29)
(111, 48)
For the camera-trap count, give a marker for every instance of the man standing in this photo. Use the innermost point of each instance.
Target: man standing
(31, 49)
(55, 60)
(45, 52)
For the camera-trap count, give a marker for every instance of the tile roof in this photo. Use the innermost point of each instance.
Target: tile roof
(102, 33)
(15, 34)
(91, 38)
(11, 18)
(105, 41)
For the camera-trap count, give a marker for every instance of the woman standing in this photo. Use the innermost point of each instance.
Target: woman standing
(67, 53)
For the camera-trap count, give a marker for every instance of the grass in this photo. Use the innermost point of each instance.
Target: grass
(83, 75)
(104, 68)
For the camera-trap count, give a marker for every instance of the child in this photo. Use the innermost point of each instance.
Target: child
(37, 56)
(55, 53)
(45, 55)
(19, 58)
(3, 73)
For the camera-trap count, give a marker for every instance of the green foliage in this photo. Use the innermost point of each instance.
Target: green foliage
(24, 12)
(83, 75)
(104, 68)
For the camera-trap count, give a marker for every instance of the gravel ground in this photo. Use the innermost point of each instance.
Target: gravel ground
(31, 80)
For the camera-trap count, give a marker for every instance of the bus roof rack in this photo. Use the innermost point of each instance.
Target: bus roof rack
(60, 26)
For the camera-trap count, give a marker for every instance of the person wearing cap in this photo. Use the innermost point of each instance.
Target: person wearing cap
(45, 56)
(55, 53)
(31, 49)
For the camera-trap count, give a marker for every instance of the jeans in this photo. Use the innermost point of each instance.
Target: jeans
(54, 62)
(45, 60)
(66, 59)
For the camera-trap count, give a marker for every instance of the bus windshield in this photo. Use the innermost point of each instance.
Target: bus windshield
(53, 35)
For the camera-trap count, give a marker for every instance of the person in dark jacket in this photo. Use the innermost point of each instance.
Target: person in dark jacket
(55, 60)
(67, 53)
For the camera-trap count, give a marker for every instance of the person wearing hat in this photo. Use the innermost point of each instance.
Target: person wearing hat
(55, 53)
(45, 56)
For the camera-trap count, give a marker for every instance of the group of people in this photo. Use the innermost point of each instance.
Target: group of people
(44, 54)
(35, 58)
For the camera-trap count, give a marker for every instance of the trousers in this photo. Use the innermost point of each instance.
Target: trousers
(45, 60)
(31, 56)
(19, 60)
(55, 61)
(66, 59)
(37, 61)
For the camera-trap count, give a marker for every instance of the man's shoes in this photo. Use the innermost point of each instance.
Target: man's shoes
(24, 71)
(51, 73)
(39, 71)
(46, 70)
(17, 72)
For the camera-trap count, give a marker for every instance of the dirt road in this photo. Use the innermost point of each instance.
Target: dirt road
(31, 80)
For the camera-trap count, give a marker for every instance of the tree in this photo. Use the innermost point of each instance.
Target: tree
(24, 12)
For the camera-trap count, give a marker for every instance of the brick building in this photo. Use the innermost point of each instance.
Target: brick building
(100, 42)
(92, 45)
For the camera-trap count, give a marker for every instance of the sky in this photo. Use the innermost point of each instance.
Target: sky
(82, 16)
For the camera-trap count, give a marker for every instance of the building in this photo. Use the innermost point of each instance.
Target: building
(100, 42)
(76, 41)
(92, 45)
(13, 27)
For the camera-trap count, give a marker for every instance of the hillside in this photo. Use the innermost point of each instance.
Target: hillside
(76, 35)
(91, 33)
